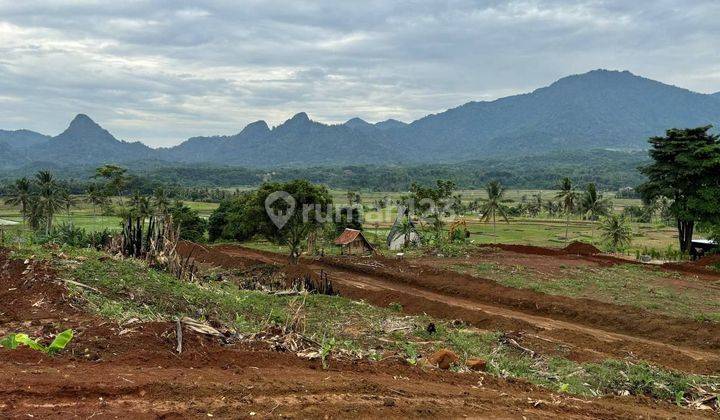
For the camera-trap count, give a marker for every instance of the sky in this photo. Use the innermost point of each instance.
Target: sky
(163, 71)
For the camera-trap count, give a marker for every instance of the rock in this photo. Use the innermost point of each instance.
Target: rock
(389, 402)
(476, 364)
(443, 358)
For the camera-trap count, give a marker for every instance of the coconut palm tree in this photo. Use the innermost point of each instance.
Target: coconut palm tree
(161, 201)
(493, 204)
(68, 201)
(48, 200)
(594, 206)
(96, 197)
(616, 232)
(20, 195)
(568, 198)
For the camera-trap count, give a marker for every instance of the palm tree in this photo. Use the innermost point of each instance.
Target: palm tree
(20, 195)
(96, 197)
(68, 201)
(493, 204)
(140, 206)
(161, 201)
(616, 232)
(406, 228)
(568, 196)
(48, 199)
(594, 206)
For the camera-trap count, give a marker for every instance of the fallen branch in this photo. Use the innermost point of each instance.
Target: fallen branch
(76, 283)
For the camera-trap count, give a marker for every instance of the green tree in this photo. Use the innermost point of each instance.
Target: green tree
(432, 203)
(494, 204)
(685, 168)
(20, 195)
(312, 203)
(568, 198)
(616, 232)
(594, 205)
(236, 218)
(115, 176)
(192, 226)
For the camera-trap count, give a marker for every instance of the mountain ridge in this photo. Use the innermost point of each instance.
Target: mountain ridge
(600, 109)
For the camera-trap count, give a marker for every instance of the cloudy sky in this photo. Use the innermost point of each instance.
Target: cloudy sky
(162, 71)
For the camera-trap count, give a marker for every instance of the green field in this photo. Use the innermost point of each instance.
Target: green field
(540, 231)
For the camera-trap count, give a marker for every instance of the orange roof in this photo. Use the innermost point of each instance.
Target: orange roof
(347, 236)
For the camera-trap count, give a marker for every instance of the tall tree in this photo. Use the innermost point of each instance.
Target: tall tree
(568, 198)
(305, 207)
(68, 201)
(96, 197)
(493, 204)
(161, 201)
(433, 203)
(20, 195)
(48, 200)
(686, 170)
(115, 176)
(594, 205)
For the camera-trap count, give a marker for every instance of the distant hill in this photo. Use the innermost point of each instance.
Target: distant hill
(298, 141)
(597, 110)
(22, 140)
(85, 141)
(600, 109)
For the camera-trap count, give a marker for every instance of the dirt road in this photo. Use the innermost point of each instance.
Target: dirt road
(579, 329)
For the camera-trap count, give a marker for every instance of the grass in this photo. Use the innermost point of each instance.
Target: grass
(129, 289)
(669, 293)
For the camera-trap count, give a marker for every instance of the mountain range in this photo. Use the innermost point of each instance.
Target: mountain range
(600, 109)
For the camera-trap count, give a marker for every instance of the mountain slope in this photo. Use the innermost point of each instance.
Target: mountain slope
(85, 141)
(22, 140)
(599, 109)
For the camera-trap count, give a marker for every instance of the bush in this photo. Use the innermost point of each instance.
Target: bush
(68, 234)
(192, 226)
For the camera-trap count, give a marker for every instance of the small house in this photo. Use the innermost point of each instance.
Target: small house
(353, 242)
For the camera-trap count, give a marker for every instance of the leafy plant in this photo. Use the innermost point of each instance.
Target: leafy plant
(325, 350)
(59, 343)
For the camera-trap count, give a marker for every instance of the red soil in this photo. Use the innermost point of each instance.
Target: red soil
(132, 371)
(581, 248)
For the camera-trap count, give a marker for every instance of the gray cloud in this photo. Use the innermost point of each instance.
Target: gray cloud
(162, 71)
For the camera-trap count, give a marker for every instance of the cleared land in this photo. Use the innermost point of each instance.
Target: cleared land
(129, 369)
(123, 362)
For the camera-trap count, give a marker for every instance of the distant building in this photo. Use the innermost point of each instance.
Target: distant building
(353, 242)
(396, 239)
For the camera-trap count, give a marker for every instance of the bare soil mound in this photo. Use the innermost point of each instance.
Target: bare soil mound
(581, 248)
(709, 260)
